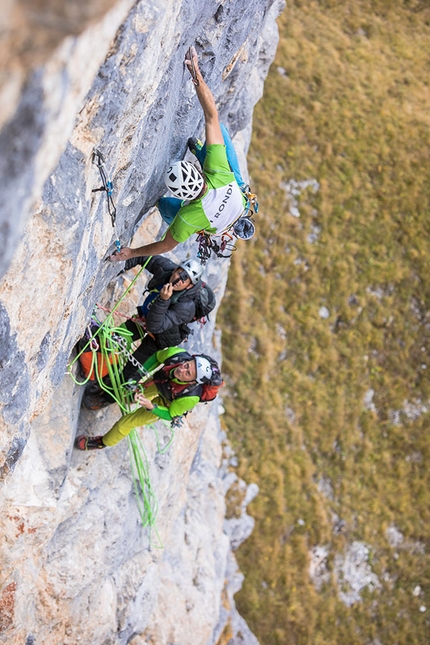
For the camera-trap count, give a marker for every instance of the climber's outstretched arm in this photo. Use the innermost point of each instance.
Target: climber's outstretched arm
(156, 248)
(206, 98)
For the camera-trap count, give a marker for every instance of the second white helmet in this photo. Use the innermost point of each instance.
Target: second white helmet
(203, 369)
(184, 180)
(193, 268)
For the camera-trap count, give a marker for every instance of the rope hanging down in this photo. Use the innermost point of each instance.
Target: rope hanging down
(114, 342)
(111, 341)
(107, 187)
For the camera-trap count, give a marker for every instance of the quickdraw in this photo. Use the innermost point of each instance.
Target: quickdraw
(94, 345)
(252, 202)
(177, 422)
(208, 245)
(107, 187)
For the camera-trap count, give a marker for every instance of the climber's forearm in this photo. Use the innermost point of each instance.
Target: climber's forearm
(156, 248)
(207, 101)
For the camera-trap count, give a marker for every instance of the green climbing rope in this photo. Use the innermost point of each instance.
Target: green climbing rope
(109, 345)
(107, 323)
(144, 493)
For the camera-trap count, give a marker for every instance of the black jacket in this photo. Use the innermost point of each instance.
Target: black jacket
(167, 319)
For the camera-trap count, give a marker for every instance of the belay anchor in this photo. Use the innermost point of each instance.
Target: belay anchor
(107, 187)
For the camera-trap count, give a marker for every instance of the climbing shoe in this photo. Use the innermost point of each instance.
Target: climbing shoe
(194, 145)
(95, 401)
(89, 443)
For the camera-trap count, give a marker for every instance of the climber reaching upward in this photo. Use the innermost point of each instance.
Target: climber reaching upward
(210, 200)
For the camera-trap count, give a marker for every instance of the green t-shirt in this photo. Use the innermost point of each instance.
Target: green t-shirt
(220, 206)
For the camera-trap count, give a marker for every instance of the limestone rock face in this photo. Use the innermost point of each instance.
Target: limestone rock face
(76, 564)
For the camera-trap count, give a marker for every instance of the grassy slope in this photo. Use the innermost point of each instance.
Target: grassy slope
(352, 113)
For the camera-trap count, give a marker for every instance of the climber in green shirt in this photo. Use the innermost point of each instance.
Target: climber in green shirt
(210, 200)
(180, 382)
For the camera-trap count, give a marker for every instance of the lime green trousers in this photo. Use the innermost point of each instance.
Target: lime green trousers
(139, 417)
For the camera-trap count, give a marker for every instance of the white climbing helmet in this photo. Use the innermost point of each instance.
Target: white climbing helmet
(203, 369)
(184, 180)
(193, 269)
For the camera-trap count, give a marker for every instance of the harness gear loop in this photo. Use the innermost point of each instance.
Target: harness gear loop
(208, 245)
(107, 187)
(207, 242)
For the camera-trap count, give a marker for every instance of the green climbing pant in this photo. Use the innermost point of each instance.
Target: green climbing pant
(139, 417)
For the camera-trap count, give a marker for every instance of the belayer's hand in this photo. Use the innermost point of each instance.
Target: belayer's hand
(125, 254)
(143, 401)
(166, 291)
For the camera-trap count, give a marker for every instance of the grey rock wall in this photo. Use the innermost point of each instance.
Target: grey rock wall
(76, 564)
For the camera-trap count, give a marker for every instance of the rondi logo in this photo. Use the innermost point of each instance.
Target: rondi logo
(224, 201)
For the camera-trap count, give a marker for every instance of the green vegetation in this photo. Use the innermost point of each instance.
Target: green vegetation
(329, 415)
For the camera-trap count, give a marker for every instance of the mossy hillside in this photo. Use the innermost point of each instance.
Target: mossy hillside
(328, 415)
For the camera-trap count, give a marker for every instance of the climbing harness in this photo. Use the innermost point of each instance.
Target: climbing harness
(242, 228)
(189, 56)
(208, 245)
(107, 187)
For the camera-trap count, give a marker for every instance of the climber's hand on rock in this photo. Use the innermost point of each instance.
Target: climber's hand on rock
(125, 254)
(191, 61)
